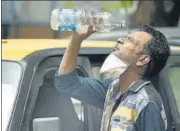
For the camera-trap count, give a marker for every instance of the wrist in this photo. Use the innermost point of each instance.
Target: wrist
(76, 38)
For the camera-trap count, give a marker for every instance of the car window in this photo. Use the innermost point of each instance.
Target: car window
(79, 108)
(174, 73)
(11, 74)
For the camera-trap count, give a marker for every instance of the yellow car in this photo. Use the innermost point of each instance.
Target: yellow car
(29, 96)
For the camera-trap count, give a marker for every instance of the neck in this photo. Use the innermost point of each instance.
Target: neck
(127, 78)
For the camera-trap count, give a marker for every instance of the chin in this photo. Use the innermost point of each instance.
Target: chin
(116, 53)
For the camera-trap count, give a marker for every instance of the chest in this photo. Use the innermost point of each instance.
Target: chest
(120, 114)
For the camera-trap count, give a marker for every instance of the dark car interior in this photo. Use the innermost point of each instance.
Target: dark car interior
(51, 103)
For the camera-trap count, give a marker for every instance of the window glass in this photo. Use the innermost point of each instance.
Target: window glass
(11, 73)
(78, 108)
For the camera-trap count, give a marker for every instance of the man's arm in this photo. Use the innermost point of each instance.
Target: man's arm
(150, 119)
(89, 90)
(68, 62)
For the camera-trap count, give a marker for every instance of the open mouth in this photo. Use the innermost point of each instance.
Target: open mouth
(115, 49)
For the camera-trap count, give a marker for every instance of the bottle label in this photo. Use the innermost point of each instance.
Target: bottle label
(67, 20)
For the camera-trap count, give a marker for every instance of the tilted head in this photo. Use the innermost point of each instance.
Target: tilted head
(145, 51)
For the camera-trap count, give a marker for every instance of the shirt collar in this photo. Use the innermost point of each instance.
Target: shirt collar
(137, 85)
(134, 87)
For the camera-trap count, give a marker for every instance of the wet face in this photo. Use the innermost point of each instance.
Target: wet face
(129, 49)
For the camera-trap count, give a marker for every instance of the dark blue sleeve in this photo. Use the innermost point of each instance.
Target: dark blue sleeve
(150, 119)
(89, 90)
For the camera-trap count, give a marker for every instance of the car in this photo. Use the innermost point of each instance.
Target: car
(29, 95)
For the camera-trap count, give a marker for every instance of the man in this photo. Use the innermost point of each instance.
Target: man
(130, 103)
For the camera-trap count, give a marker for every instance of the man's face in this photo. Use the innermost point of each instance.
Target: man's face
(128, 49)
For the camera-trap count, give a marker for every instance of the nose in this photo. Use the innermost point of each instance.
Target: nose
(120, 41)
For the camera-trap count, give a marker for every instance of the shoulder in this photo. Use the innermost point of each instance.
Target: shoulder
(151, 119)
(149, 94)
(148, 97)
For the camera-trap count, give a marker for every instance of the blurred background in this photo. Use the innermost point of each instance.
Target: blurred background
(31, 19)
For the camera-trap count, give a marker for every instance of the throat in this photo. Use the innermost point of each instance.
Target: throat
(126, 79)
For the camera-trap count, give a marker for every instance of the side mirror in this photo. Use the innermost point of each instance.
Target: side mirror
(47, 124)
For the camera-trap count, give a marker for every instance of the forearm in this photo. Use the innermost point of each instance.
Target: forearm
(68, 62)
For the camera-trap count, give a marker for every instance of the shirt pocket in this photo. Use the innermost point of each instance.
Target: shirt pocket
(123, 113)
(122, 127)
(120, 124)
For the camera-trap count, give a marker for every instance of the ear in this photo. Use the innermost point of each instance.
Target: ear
(143, 60)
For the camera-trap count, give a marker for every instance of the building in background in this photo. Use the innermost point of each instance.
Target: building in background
(31, 19)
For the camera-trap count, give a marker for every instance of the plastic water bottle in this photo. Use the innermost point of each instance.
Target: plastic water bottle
(72, 20)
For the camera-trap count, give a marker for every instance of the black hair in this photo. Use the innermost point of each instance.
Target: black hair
(158, 50)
